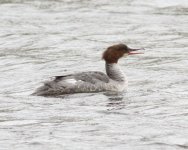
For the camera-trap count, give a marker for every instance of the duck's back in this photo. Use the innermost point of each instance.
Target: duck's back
(92, 81)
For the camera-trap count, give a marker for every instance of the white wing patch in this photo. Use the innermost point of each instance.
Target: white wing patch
(70, 81)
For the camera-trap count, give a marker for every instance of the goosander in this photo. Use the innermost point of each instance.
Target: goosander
(92, 81)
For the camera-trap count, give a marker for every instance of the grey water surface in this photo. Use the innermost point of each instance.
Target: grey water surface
(43, 38)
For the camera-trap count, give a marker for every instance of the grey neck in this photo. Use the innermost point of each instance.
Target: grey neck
(114, 72)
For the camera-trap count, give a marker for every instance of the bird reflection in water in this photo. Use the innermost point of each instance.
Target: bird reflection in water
(116, 100)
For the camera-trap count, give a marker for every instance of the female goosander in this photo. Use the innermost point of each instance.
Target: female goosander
(92, 81)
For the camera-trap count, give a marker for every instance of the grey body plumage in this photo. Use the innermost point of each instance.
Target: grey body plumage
(92, 81)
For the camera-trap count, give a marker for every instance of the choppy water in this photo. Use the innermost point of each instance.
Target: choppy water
(40, 39)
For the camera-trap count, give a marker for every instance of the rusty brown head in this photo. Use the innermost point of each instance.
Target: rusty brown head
(115, 52)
